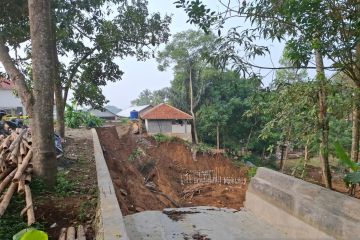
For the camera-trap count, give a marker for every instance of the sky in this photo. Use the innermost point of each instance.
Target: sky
(139, 76)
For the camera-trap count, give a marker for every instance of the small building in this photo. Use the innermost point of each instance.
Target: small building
(104, 114)
(8, 100)
(168, 120)
(140, 109)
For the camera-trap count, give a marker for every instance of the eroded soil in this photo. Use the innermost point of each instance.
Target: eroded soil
(152, 176)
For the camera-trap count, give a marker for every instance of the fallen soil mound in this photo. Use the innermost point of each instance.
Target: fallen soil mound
(148, 175)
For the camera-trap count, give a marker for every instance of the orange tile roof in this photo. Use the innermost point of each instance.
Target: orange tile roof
(165, 111)
(6, 84)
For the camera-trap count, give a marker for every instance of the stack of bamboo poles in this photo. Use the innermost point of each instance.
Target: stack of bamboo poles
(73, 234)
(15, 170)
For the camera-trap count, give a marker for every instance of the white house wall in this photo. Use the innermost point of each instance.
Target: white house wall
(8, 99)
(177, 128)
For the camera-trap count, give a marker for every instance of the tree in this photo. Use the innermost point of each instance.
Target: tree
(186, 52)
(146, 97)
(96, 41)
(321, 28)
(90, 36)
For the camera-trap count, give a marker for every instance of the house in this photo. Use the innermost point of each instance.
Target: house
(8, 100)
(168, 120)
(104, 114)
(140, 109)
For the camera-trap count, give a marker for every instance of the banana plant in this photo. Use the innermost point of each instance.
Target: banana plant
(353, 178)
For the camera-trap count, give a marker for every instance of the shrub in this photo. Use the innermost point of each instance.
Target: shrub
(76, 118)
(161, 138)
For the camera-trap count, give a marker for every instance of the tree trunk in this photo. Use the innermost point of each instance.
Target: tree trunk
(306, 157)
(323, 120)
(355, 128)
(196, 140)
(44, 160)
(58, 91)
(356, 110)
(217, 137)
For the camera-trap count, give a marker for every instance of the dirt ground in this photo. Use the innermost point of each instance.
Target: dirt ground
(73, 202)
(152, 176)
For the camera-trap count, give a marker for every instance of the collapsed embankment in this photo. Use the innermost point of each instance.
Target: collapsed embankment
(148, 175)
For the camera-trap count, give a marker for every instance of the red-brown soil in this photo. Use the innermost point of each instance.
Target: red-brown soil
(148, 175)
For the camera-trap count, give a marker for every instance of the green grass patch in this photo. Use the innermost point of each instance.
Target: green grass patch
(11, 222)
(161, 138)
(64, 186)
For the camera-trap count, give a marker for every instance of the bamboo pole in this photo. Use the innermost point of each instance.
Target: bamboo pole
(29, 202)
(63, 234)
(7, 197)
(17, 140)
(22, 149)
(23, 166)
(5, 173)
(21, 186)
(7, 180)
(70, 233)
(80, 233)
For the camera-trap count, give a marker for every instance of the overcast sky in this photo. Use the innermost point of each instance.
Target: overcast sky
(145, 75)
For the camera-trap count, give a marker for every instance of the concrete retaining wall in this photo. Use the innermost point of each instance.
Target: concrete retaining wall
(301, 209)
(109, 220)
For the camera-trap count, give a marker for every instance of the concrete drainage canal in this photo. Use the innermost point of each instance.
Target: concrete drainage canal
(167, 189)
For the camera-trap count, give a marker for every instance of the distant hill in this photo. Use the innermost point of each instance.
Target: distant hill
(113, 109)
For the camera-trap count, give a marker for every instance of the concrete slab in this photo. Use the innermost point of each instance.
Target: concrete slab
(199, 223)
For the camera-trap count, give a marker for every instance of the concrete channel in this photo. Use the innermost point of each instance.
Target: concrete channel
(277, 206)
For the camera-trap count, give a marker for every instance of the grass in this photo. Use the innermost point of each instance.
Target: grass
(64, 186)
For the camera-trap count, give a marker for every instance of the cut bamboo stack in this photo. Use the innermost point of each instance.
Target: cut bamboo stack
(72, 233)
(15, 170)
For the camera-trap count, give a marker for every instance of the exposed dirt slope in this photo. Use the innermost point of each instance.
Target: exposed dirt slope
(150, 176)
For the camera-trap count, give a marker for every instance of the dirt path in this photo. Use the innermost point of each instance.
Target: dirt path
(74, 199)
(151, 176)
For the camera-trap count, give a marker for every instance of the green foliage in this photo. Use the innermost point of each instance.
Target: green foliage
(76, 118)
(136, 154)
(30, 234)
(64, 186)
(146, 97)
(344, 158)
(251, 172)
(352, 177)
(202, 148)
(162, 138)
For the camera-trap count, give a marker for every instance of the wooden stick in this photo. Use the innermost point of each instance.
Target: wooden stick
(80, 233)
(7, 180)
(23, 166)
(30, 211)
(7, 197)
(63, 234)
(70, 233)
